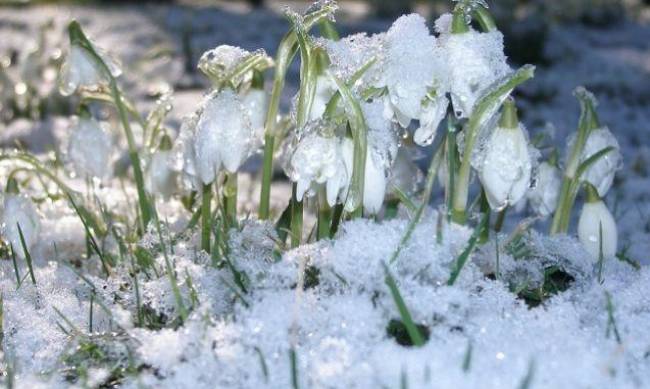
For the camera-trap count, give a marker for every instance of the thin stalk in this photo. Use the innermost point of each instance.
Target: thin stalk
(78, 37)
(296, 218)
(324, 216)
(498, 224)
(483, 111)
(267, 174)
(588, 121)
(230, 197)
(286, 52)
(485, 210)
(426, 196)
(206, 217)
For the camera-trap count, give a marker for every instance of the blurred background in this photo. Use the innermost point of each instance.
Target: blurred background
(601, 44)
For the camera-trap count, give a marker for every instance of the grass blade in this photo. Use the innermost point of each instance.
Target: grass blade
(28, 257)
(462, 258)
(414, 333)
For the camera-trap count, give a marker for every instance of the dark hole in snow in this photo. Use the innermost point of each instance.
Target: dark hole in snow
(556, 280)
(397, 330)
(312, 274)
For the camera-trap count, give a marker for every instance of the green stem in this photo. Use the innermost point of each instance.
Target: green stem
(286, 52)
(230, 198)
(324, 216)
(296, 218)
(206, 217)
(588, 121)
(500, 219)
(485, 210)
(78, 37)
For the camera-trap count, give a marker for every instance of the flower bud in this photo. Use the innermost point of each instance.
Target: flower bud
(81, 70)
(318, 160)
(224, 135)
(506, 168)
(89, 149)
(19, 210)
(594, 219)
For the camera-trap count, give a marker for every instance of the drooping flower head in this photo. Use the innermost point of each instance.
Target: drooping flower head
(19, 210)
(596, 227)
(89, 149)
(318, 160)
(161, 177)
(81, 68)
(506, 166)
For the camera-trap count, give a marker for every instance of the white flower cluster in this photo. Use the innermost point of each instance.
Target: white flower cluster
(408, 74)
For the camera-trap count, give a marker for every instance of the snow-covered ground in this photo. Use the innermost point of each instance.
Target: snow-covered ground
(340, 318)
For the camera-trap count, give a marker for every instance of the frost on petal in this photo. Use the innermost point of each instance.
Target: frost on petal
(351, 53)
(183, 155)
(433, 111)
(256, 102)
(593, 216)
(89, 149)
(544, 195)
(223, 136)
(382, 133)
(601, 174)
(19, 210)
(317, 159)
(221, 63)
(412, 64)
(506, 169)
(475, 60)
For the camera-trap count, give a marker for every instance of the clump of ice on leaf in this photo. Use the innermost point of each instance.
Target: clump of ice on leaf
(475, 60)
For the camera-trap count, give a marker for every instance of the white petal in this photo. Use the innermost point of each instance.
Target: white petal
(505, 173)
(593, 216)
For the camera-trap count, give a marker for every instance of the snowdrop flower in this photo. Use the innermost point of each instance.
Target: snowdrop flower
(413, 67)
(601, 173)
(475, 60)
(89, 149)
(506, 167)
(594, 217)
(318, 160)
(224, 136)
(80, 70)
(375, 181)
(19, 210)
(161, 178)
(544, 196)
